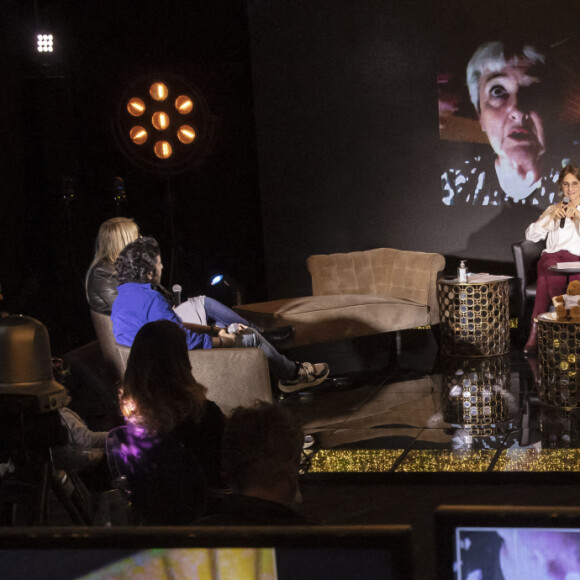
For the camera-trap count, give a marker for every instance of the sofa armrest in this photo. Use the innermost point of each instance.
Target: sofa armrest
(233, 376)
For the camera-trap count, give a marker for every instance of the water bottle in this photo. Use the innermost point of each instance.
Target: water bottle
(462, 271)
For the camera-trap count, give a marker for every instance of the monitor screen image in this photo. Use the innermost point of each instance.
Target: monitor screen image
(508, 543)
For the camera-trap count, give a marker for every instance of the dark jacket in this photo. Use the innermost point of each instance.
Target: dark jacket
(102, 287)
(204, 440)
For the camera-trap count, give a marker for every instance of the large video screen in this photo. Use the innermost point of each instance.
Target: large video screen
(509, 102)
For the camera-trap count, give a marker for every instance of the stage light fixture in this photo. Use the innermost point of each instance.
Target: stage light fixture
(227, 289)
(173, 110)
(45, 43)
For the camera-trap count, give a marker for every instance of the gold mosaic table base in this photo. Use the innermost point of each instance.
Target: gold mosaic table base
(559, 361)
(474, 318)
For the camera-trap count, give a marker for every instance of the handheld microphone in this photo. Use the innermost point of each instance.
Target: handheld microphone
(565, 201)
(177, 294)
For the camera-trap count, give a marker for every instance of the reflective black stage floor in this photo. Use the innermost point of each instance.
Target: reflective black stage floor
(390, 445)
(463, 415)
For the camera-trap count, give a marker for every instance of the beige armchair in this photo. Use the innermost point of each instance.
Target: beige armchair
(358, 294)
(104, 330)
(233, 376)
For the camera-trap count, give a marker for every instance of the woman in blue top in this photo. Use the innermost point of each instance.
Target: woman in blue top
(139, 270)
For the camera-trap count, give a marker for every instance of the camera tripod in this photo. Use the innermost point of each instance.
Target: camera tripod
(24, 493)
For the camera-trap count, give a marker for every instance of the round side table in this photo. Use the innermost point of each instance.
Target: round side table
(474, 317)
(559, 361)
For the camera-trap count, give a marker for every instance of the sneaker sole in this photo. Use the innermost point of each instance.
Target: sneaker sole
(285, 388)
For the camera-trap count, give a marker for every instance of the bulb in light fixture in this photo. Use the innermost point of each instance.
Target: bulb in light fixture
(136, 107)
(163, 149)
(186, 134)
(184, 104)
(138, 135)
(158, 91)
(160, 120)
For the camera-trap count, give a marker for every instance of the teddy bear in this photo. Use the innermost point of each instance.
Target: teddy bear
(568, 305)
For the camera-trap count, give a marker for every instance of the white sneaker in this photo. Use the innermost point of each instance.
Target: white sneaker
(309, 375)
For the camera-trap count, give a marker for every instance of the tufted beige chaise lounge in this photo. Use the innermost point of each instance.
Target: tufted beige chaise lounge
(357, 294)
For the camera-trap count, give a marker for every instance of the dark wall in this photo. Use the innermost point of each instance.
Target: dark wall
(58, 116)
(337, 99)
(347, 124)
(345, 129)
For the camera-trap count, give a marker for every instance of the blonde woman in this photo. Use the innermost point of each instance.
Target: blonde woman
(101, 279)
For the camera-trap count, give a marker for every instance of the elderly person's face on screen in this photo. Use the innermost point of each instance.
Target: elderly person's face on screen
(510, 101)
(509, 95)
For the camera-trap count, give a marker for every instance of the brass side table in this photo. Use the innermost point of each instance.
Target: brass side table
(474, 316)
(559, 361)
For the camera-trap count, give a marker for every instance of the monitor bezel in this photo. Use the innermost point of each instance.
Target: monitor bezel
(395, 539)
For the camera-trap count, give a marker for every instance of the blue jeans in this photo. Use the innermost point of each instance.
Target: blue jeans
(223, 316)
(280, 366)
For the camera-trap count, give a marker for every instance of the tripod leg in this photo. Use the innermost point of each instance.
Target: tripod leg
(42, 511)
(64, 490)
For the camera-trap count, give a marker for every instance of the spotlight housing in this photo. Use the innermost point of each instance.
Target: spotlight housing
(164, 124)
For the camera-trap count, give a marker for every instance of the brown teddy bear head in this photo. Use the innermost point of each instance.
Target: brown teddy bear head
(573, 288)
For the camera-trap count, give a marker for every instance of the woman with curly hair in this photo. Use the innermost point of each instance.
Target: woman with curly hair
(139, 270)
(559, 225)
(161, 398)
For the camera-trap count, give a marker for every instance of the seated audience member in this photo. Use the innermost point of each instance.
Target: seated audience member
(139, 270)
(170, 449)
(160, 396)
(101, 281)
(84, 450)
(261, 457)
